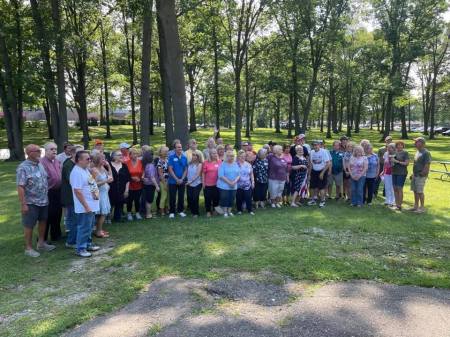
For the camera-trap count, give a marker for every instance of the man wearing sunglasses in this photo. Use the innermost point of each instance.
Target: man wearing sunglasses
(86, 203)
(32, 187)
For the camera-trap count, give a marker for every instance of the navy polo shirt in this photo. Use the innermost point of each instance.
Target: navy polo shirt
(178, 164)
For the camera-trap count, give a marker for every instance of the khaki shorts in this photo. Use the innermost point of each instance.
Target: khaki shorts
(338, 179)
(418, 184)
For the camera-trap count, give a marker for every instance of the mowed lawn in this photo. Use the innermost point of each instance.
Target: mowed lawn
(47, 295)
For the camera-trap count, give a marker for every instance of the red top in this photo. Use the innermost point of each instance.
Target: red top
(135, 171)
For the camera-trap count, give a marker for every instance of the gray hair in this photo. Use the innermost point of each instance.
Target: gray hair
(48, 145)
(262, 152)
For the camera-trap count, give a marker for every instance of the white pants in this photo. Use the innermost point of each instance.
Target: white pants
(389, 190)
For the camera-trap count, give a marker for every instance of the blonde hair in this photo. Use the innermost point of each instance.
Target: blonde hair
(199, 156)
(229, 153)
(161, 149)
(358, 149)
(135, 151)
(240, 153)
(96, 157)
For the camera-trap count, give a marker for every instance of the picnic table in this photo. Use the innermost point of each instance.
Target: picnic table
(444, 171)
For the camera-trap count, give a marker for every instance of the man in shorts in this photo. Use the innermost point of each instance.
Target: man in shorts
(421, 168)
(32, 188)
(320, 164)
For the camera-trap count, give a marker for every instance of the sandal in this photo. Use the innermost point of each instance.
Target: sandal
(102, 235)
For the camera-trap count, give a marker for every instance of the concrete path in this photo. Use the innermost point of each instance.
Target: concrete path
(266, 305)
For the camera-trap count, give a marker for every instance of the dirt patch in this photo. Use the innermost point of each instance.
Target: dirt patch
(270, 305)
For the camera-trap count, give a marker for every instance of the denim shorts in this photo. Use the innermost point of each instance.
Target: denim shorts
(398, 180)
(34, 214)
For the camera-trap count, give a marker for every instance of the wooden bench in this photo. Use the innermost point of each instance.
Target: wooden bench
(445, 173)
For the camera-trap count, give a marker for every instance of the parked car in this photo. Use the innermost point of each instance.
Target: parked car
(441, 129)
(446, 133)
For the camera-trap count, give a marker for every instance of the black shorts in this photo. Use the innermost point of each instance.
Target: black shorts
(34, 214)
(318, 183)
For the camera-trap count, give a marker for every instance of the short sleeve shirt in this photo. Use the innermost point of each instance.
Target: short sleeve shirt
(319, 159)
(245, 182)
(211, 171)
(82, 179)
(337, 158)
(421, 159)
(33, 178)
(372, 164)
(179, 164)
(261, 170)
(278, 168)
(229, 171)
(399, 169)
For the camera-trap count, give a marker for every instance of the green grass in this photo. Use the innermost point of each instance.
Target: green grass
(45, 296)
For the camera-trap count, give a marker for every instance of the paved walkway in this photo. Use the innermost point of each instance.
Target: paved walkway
(246, 305)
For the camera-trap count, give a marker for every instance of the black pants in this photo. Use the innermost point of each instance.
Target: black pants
(244, 196)
(118, 210)
(260, 192)
(173, 190)
(134, 196)
(193, 196)
(370, 188)
(149, 194)
(211, 194)
(54, 215)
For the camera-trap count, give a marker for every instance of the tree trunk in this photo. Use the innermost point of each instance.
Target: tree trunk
(80, 98)
(278, 115)
(322, 113)
(174, 66)
(44, 46)
(48, 118)
(16, 152)
(359, 110)
(145, 77)
(403, 120)
(237, 109)
(152, 116)
(341, 115)
(253, 109)
(216, 82)
(165, 91)
(19, 56)
(311, 90)
(348, 107)
(7, 113)
(247, 97)
(105, 79)
(192, 119)
(101, 107)
(433, 105)
(291, 108)
(63, 128)
(294, 74)
(204, 105)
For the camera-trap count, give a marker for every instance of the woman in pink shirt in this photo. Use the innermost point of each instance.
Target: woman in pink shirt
(287, 186)
(386, 175)
(209, 174)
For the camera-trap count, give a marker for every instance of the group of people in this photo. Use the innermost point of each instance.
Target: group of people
(93, 187)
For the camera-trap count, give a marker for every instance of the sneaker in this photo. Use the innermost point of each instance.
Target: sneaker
(71, 246)
(219, 210)
(171, 216)
(239, 213)
(130, 217)
(182, 214)
(420, 210)
(138, 216)
(322, 204)
(84, 253)
(294, 205)
(273, 206)
(31, 253)
(279, 205)
(312, 202)
(46, 247)
(225, 215)
(230, 214)
(93, 248)
(252, 213)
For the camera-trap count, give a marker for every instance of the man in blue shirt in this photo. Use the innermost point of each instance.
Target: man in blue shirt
(337, 169)
(177, 167)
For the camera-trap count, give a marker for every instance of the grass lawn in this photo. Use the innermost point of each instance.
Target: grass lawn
(45, 296)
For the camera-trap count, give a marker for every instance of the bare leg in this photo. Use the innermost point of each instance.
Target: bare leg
(28, 235)
(41, 228)
(99, 225)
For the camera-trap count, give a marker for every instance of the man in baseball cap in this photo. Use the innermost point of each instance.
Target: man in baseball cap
(421, 168)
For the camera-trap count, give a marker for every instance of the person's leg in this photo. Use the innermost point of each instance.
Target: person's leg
(164, 190)
(83, 230)
(28, 236)
(99, 225)
(239, 199)
(370, 189)
(196, 199)
(172, 198)
(389, 190)
(71, 226)
(231, 198)
(181, 191)
(137, 201)
(130, 201)
(248, 200)
(207, 194)
(190, 197)
(422, 200)
(353, 191)
(361, 185)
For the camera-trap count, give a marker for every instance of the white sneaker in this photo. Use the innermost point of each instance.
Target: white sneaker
(312, 202)
(84, 253)
(279, 205)
(171, 216)
(130, 217)
(182, 214)
(252, 213)
(230, 214)
(138, 216)
(219, 210)
(239, 213)
(93, 248)
(225, 215)
(46, 247)
(322, 204)
(31, 253)
(273, 206)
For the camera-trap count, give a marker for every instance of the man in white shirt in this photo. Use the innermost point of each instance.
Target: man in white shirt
(320, 164)
(86, 202)
(65, 154)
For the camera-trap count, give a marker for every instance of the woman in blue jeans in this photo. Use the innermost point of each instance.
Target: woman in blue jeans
(227, 184)
(358, 170)
(373, 167)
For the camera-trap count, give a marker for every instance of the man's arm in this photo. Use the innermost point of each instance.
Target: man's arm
(80, 197)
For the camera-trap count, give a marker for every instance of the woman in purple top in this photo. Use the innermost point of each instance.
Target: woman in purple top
(151, 182)
(246, 184)
(278, 175)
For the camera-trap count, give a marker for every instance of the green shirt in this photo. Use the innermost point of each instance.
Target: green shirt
(66, 189)
(399, 169)
(421, 159)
